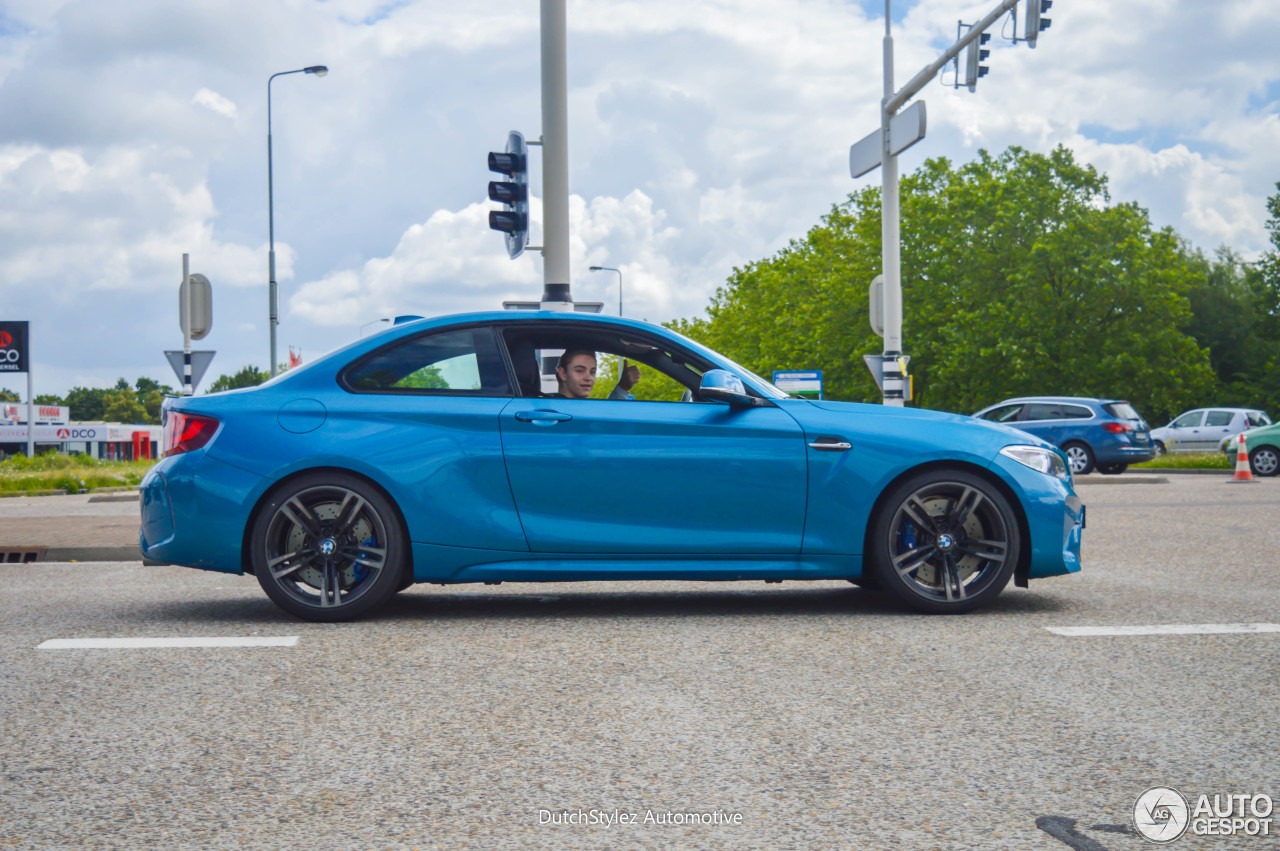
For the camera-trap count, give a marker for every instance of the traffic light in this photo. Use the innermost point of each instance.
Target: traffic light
(513, 218)
(973, 59)
(1035, 23)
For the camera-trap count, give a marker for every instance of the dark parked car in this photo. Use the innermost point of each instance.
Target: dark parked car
(431, 453)
(1104, 433)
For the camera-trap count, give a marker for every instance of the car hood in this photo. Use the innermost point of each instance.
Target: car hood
(952, 431)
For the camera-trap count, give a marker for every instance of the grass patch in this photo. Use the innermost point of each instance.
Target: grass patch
(72, 473)
(1187, 461)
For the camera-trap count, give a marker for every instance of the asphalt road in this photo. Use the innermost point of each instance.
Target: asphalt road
(788, 716)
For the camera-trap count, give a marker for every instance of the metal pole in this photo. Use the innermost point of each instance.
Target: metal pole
(186, 325)
(891, 255)
(619, 271)
(555, 159)
(272, 314)
(31, 408)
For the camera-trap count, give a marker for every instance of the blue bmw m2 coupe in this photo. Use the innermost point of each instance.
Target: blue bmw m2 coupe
(432, 452)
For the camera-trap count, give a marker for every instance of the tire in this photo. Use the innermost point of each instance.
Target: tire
(1080, 457)
(328, 547)
(944, 542)
(1112, 469)
(1160, 450)
(1265, 461)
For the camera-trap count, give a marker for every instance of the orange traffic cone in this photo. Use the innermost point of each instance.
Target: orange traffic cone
(1243, 472)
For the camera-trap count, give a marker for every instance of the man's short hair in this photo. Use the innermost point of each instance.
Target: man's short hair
(570, 354)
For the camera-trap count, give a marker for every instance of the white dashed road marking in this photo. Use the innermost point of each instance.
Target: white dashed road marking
(1168, 629)
(148, 643)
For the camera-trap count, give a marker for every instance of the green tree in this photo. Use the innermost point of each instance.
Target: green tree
(9, 396)
(1019, 277)
(87, 404)
(122, 406)
(247, 376)
(48, 399)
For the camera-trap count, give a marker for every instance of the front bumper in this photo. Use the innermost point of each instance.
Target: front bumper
(1055, 519)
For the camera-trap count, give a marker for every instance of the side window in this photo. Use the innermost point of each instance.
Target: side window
(464, 361)
(1003, 414)
(1042, 411)
(1190, 420)
(1257, 418)
(1076, 412)
(1219, 418)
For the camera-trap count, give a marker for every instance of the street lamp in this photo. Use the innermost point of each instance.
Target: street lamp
(273, 313)
(619, 271)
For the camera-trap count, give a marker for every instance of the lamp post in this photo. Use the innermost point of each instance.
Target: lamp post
(619, 271)
(272, 301)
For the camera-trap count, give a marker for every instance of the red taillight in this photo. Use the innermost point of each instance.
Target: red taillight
(1116, 428)
(185, 432)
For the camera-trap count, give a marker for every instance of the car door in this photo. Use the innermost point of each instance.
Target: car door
(1044, 420)
(1183, 434)
(1217, 425)
(640, 477)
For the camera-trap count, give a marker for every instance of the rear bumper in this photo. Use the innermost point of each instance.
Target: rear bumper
(194, 511)
(1125, 454)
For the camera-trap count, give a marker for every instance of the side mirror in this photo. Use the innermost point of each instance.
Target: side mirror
(723, 386)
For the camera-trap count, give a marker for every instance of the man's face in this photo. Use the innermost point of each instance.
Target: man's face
(578, 377)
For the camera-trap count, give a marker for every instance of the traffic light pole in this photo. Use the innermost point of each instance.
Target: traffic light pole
(893, 365)
(555, 159)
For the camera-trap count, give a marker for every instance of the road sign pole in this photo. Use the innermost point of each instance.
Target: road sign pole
(186, 325)
(891, 250)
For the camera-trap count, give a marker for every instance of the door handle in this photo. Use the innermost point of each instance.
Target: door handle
(830, 445)
(543, 418)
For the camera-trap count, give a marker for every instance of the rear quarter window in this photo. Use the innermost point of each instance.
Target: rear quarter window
(1121, 411)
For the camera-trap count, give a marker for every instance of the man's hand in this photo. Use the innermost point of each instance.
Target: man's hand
(630, 375)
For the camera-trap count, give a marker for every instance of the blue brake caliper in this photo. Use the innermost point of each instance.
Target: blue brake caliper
(361, 570)
(906, 537)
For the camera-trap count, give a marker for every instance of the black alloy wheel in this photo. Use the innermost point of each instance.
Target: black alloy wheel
(945, 541)
(328, 547)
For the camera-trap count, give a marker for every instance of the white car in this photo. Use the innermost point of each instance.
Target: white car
(1204, 429)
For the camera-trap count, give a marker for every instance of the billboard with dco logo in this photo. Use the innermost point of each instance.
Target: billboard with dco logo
(13, 347)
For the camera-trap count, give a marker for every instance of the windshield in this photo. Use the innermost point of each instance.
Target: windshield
(765, 387)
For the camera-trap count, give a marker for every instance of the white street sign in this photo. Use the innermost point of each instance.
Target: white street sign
(905, 129)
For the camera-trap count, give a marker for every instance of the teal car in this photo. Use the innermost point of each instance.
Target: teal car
(1263, 446)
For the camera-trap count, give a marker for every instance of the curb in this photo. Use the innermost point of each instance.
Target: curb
(1121, 480)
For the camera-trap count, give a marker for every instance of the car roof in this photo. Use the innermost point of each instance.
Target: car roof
(1076, 399)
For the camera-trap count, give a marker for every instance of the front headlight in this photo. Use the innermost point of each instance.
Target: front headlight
(1041, 460)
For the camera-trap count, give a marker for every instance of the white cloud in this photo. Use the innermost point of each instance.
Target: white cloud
(216, 102)
(704, 134)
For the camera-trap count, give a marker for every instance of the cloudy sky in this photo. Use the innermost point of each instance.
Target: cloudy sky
(703, 134)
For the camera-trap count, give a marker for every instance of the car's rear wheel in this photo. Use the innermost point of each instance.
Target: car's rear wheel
(1112, 469)
(1080, 457)
(944, 541)
(1265, 461)
(328, 547)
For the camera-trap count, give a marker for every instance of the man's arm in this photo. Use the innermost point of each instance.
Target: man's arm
(629, 378)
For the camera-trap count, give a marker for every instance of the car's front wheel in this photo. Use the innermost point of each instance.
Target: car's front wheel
(944, 541)
(328, 547)
(1080, 457)
(1160, 450)
(1265, 461)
